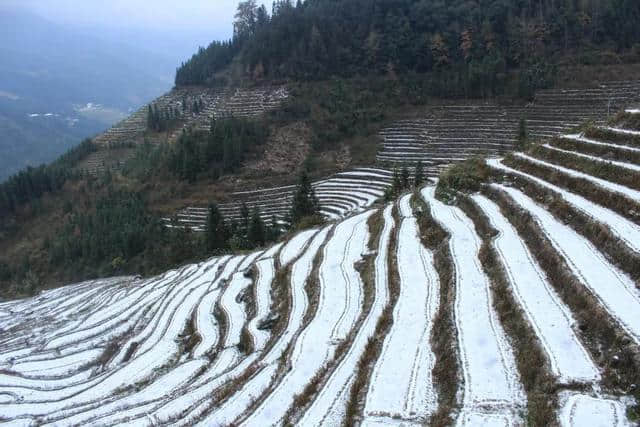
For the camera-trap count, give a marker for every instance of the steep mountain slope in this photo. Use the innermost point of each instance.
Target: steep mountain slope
(538, 272)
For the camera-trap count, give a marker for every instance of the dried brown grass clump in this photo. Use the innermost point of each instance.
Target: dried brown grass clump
(190, 337)
(132, 349)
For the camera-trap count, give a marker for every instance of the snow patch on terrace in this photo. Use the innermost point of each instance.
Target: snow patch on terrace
(401, 385)
(491, 382)
(546, 313)
(614, 289)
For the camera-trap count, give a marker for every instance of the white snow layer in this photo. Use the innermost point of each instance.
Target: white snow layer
(491, 380)
(615, 290)
(546, 313)
(401, 386)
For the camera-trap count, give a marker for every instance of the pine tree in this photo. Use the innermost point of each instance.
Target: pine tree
(150, 118)
(256, 234)
(405, 178)
(396, 184)
(216, 236)
(523, 134)
(419, 175)
(244, 213)
(305, 202)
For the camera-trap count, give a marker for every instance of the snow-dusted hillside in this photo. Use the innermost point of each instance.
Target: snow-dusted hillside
(341, 325)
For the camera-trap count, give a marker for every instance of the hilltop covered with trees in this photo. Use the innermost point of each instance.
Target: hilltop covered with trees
(477, 41)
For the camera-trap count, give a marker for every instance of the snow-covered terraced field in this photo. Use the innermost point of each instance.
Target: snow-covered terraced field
(338, 196)
(401, 386)
(452, 133)
(339, 325)
(491, 383)
(216, 103)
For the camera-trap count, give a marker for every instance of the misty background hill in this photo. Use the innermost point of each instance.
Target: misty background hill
(60, 84)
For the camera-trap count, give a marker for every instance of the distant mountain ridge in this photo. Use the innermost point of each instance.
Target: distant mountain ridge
(51, 69)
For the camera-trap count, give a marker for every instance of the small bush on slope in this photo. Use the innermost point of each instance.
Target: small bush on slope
(627, 120)
(465, 177)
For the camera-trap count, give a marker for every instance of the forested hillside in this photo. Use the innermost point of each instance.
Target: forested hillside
(471, 42)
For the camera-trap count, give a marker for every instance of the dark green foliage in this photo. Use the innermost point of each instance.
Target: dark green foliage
(256, 233)
(404, 175)
(221, 150)
(118, 227)
(400, 183)
(397, 181)
(305, 203)
(5, 271)
(418, 179)
(523, 134)
(162, 119)
(30, 184)
(216, 233)
(472, 43)
(244, 214)
(201, 67)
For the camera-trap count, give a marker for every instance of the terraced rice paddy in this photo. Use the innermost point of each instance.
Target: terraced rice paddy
(453, 133)
(337, 325)
(338, 196)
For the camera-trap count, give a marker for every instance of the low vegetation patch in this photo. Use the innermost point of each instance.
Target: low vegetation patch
(463, 177)
(627, 120)
(605, 135)
(602, 151)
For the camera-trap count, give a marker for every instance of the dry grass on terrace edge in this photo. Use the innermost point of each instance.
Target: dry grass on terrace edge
(246, 342)
(624, 206)
(531, 360)
(372, 351)
(447, 374)
(610, 136)
(615, 250)
(303, 400)
(220, 395)
(189, 337)
(247, 345)
(311, 289)
(605, 152)
(281, 304)
(219, 314)
(603, 170)
(610, 347)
